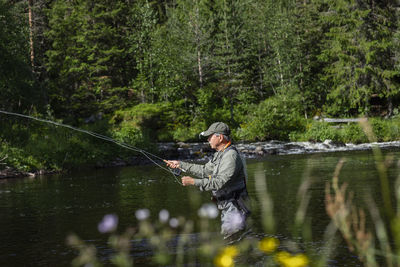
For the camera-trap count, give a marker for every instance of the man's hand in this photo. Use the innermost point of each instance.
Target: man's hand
(187, 180)
(172, 163)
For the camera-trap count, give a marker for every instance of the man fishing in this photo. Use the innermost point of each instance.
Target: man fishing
(224, 175)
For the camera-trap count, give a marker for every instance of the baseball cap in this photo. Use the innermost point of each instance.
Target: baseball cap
(217, 127)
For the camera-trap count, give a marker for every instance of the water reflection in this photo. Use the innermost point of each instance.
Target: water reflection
(37, 214)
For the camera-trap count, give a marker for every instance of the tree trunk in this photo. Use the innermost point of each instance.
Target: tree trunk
(390, 107)
(197, 33)
(30, 12)
(200, 68)
(280, 69)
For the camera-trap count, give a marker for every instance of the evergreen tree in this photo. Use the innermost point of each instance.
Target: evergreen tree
(16, 79)
(213, 60)
(256, 27)
(173, 75)
(310, 33)
(142, 20)
(182, 48)
(88, 61)
(383, 24)
(392, 100)
(285, 36)
(358, 52)
(193, 21)
(229, 53)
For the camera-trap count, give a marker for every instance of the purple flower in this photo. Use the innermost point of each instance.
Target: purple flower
(142, 214)
(174, 222)
(208, 210)
(108, 224)
(163, 215)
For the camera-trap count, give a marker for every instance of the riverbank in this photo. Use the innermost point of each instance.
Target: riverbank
(10, 172)
(13, 173)
(202, 152)
(27, 148)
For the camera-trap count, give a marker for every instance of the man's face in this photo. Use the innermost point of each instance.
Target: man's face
(214, 140)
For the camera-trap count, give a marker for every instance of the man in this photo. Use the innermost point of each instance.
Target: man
(224, 175)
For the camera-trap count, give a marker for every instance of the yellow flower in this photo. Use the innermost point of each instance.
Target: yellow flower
(231, 251)
(268, 244)
(225, 258)
(288, 260)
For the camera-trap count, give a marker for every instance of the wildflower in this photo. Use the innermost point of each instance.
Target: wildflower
(108, 224)
(142, 214)
(163, 215)
(226, 257)
(224, 261)
(288, 260)
(268, 244)
(174, 222)
(208, 211)
(231, 251)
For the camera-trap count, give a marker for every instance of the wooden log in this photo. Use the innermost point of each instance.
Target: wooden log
(342, 120)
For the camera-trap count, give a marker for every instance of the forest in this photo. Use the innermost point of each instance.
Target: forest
(155, 71)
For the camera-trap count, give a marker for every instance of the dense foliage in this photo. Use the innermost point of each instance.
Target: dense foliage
(164, 70)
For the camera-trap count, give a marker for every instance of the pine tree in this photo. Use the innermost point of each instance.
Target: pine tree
(88, 61)
(16, 79)
(396, 61)
(229, 59)
(182, 47)
(284, 38)
(310, 33)
(383, 23)
(142, 21)
(195, 26)
(359, 55)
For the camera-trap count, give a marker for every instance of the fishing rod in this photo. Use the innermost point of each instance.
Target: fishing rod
(148, 155)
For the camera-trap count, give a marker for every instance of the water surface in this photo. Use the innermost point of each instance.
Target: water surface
(37, 214)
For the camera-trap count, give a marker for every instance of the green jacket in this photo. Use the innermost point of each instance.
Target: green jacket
(223, 174)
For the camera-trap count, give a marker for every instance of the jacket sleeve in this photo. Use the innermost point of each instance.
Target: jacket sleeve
(228, 167)
(200, 171)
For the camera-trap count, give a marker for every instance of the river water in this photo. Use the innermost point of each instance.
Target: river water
(37, 214)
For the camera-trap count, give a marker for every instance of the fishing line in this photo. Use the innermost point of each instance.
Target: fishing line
(145, 153)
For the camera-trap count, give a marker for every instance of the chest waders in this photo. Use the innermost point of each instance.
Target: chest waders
(237, 194)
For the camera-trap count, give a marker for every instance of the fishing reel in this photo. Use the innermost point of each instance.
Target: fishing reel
(176, 171)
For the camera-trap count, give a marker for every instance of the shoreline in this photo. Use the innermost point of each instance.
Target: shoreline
(202, 152)
(13, 173)
(199, 151)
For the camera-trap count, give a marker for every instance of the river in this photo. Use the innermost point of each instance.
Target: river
(37, 214)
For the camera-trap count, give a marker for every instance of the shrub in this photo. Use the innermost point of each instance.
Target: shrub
(274, 118)
(353, 133)
(183, 133)
(17, 158)
(320, 131)
(141, 124)
(386, 130)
